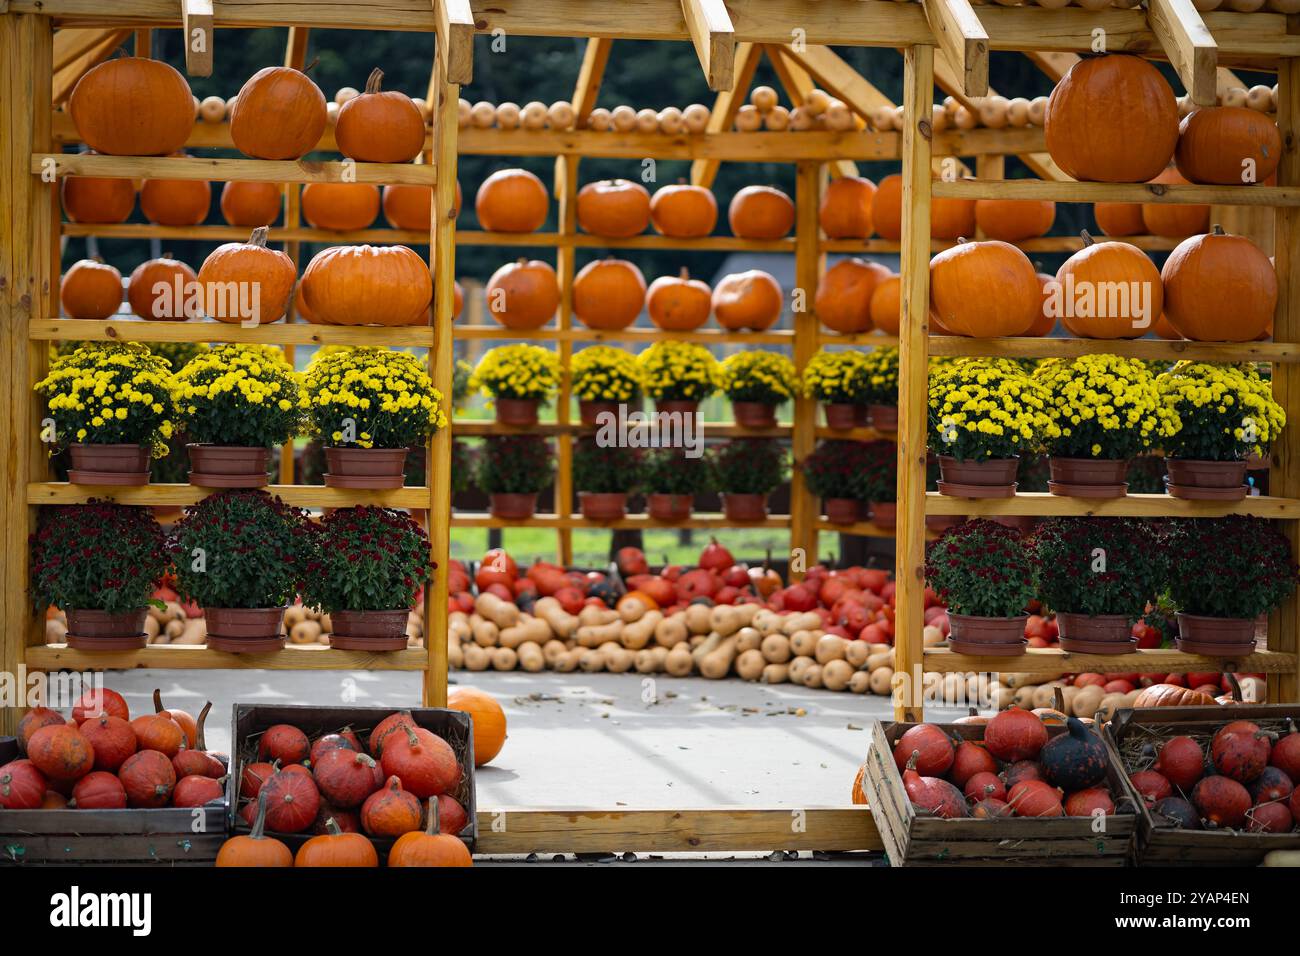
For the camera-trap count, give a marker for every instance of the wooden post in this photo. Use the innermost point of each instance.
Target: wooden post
(808, 260)
(914, 263)
(295, 55)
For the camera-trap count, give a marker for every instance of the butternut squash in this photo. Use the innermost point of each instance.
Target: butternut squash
(529, 629)
(562, 624)
(750, 663)
(531, 658)
(679, 662)
(797, 668)
(804, 643)
(766, 621)
(748, 639)
(727, 619)
(698, 619)
(568, 662)
(455, 656)
(706, 646)
(776, 673)
(645, 662)
(805, 621)
(592, 661)
(476, 657)
(484, 631)
(305, 632)
(597, 634)
(593, 616)
(717, 663)
(637, 634)
(829, 647)
(552, 651)
(860, 682)
(671, 630)
(836, 673)
(504, 658)
(1086, 701)
(501, 613)
(618, 660)
(881, 680)
(776, 648)
(293, 614)
(931, 636)
(1023, 697)
(812, 675)
(458, 626)
(857, 652)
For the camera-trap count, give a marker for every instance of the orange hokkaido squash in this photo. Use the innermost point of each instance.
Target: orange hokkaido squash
(98, 200)
(984, 289)
(379, 126)
(279, 113)
(760, 212)
(368, 285)
(679, 303)
(843, 301)
(1228, 146)
(887, 305)
(430, 847)
(608, 294)
(251, 204)
(523, 294)
(1219, 288)
(1107, 290)
(511, 200)
(90, 289)
(340, 207)
(489, 722)
(1175, 221)
(845, 211)
(683, 211)
(748, 300)
(133, 106)
(614, 208)
(1014, 220)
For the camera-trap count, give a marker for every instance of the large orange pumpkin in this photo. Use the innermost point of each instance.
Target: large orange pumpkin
(748, 300)
(1175, 221)
(984, 289)
(887, 305)
(279, 113)
(144, 294)
(489, 722)
(1014, 220)
(1046, 322)
(430, 847)
(175, 202)
(1112, 119)
(845, 211)
(1219, 288)
(90, 290)
(334, 848)
(1119, 218)
(760, 212)
(341, 207)
(523, 294)
(949, 218)
(133, 107)
(1228, 146)
(251, 204)
(614, 208)
(608, 294)
(245, 265)
(368, 285)
(98, 200)
(411, 207)
(679, 303)
(1114, 278)
(511, 200)
(1171, 695)
(379, 126)
(1164, 330)
(683, 211)
(843, 301)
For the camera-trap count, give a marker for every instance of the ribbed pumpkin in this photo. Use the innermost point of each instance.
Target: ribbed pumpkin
(1045, 322)
(98, 200)
(279, 113)
(984, 289)
(843, 301)
(608, 294)
(175, 202)
(291, 801)
(489, 722)
(887, 305)
(760, 212)
(1014, 220)
(679, 303)
(523, 294)
(132, 107)
(411, 207)
(1171, 695)
(251, 204)
(1119, 218)
(845, 211)
(683, 211)
(431, 847)
(336, 849)
(379, 126)
(368, 285)
(1112, 119)
(511, 200)
(255, 849)
(614, 208)
(949, 218)
(1219, 288)
(1175, 221)
(145, 279)
(1214, 145)
(342, 207)
(90, 290)
(1116, 278)
(250, 265)
(747, 300)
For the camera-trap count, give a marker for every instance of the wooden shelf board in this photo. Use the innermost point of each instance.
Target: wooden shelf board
(863, 529)
(709, 336)
(303, 496)
(1038, 189)
(1051, 660)
(642, 521)
(479, 427)
(1041, 504)
(1174, 350)
(231, 170)
(294, 657)
(131, 329)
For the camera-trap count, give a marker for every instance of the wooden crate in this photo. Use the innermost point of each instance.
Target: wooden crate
(248, 720)
(1172, 846)
(913, 839)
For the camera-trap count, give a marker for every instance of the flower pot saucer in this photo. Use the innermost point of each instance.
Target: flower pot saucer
(246, 645)
(1189, 493)
(129, 643)
(365, 482)
(953, 489)
(81, 476)
(1214, 648)
(202, 480)
(1068, 490)
(368, 643)
(1076, 646)
(977, 649)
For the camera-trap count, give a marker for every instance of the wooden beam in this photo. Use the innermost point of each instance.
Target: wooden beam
(714, 39)
(454, 24)
(798, 82)
(1055, 661)
(704, 171)
(1043, 504)
(1053, 64)
(197, 30)
(809, 264)
(65, 78)
(1119, 192)
(835, 75)
(1187, 42)
(226, 170)
(963, 40)
(295, 49)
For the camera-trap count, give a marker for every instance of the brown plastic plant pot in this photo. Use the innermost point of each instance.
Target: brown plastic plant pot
(603, 505)
(512, 505)
(365, 467)
(245, 630)
(665, 507)
(987, 636)
(679, 406)
(1215, 636)
(589, 412)
(227, 466)
(993, 478)
(1022, 523)
(883, 417)
(754, 414)
(938, 523)
(842, 510)
(521, 412)
(884, 514)
(91, 630)
(744, 507)
(1197, 480)
(108, 464)
(369, 630)
(841, 416)
(1088, 477)
(1096, 633)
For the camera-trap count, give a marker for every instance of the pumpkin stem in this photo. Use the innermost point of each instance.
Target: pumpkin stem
(311, 66)
(684, 274)
(259, 819)
(1058, 698)
(375, 80)
(332, 827)
(1235, 685)
(1087, 238)
(411, 739)
(157, 701)
(199, 742)
(911, 761)
(962, 240)
(1218, 230)
(258, 238)
(434, 826)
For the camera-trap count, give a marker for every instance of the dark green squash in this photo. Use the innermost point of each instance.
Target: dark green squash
(1075, 759)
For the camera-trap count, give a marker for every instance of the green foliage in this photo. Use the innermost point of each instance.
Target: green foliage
(836, 468)
(515, 464)
(598, 468)
(668, 471)
(981, 568)
(97, 556)
(1235, 566)
(1098, 565)
(367, 559)
(749, 465)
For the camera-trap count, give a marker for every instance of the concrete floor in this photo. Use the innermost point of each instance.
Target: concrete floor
(586, 740)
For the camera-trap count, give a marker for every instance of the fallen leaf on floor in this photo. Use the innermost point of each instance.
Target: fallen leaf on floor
(853, 727)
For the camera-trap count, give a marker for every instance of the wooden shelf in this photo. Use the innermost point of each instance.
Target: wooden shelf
(863, 529)
(130, 329)
(478, 427)
(1041, 504)
(641, 521)
(230, 170)
(853, 434)
(1051, 660)
(1038, 189)
(52, 657)
(303, 496)
(1176, 350)
(635, 334)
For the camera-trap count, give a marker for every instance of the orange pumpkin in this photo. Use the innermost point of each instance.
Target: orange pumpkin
(256, 849)
(183, 719)
(949, 218)
(760, 212)
(97, 200)
(984, 289)
(1046, 321)
(133, 106)
(679, 303)
(614, 208)
(608, 294)
(247, 265)
(1216, 144)
(175, 202)
(431, 847)
(251, 204)
(1175, 221)
(489, 722)
(1171, 695)
(748, 300)
(411, 207)
(144, 294)
(378, 126)
(341, 207)
(1119, 218)
(1219, 288)
(1164, 330)
(1112, 119)
(857, 795)
(511, 200)
(334, 848)
(845, 211)
(523, 294)
(90, 289)
(683, 211)
(279, 113)
(300, 307)
(843, 301)
(1014, 220)
(1115, 278)
(368, 285)
(887, 305)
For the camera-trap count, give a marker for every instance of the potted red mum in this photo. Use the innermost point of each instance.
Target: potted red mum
(982, 571)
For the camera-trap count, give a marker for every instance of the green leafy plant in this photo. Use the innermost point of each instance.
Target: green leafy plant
(1098, 565)
(240, 395)
(462, 466)
(372, 397)
(515, 464)
(835, 469)
(1104, 406)
(879, 481)
(97, 556)
(605, 469)
(461, 374)
(986, 408)
(367, 559)
(759, 376)
(981, 568)
(668, 471)
(1235, 566)
(749, 465)
(1225, 412)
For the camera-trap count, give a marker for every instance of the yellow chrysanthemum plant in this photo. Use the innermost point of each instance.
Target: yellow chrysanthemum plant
(673, 371)
(246, 395)
(881, 367)
(518, 378)
(601, 375)
(757, 382)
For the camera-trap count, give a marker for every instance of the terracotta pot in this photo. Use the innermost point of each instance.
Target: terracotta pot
(664, 507)
(883, 418)
(90, 630)
(842, 510)
(842, 416)
(369, 630)
(987, 636)
(1206, 480)
(1215, 636)
(517, 411)
(108, 464)
(670, 405)
(227, 466)
(884, 514)
(365, 467)
(744, 507)
(1096, 633)
(942, 522)
(245, 630)
(754, 414)
(512, 506)
(1257, 462)
(603, 505)
(992, 478)
(589, 411)
(1022, 523)
(1087, 477)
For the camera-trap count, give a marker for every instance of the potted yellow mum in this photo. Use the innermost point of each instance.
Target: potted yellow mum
(757, 382)
(678, 375)
(518, 378)
(602, 379)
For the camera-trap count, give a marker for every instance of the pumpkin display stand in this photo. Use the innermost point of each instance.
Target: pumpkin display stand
(1206, 480)
(369, 630)
(1095, 633)
(517, 412)
(842, 510)
(1087, 477)
(126, 465)
(245, 630)
(669, 508)
(994, 478)
(91, 630)
(512, 505)
(1215, 636)
(754, 414)
(227, 466)
(365, 468)
(841, 416)
(988, 636)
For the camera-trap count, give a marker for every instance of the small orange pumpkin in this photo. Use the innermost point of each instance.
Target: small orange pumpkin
(248, 265)
(98, 200)
(90, 289)
(341, 207)
(1117, 278)
(256, 849)
(857, 795)
(949, 218)
(984, 289)
(748, 300)
(1220, 145)
(1175, 221)
(334, 848)
(175, 202)
(1046, 322)
(1014, 220)
(143, 289)
(489, 722)
(411, 207)
(843, 301)
(679, 303)
(887, 305)
(523, 294)
(1119, 218)
(608, 294)
(431, 847)
(614, 208)
(251, 204)
(279, 113)
(683, 211)
(378, 126)
(1170, 695)
(391, 811)
(368, 285)
(1164, 330)
(1219, 288)
(511, 200)
(133, 106)
(761, 212)
(845, 211)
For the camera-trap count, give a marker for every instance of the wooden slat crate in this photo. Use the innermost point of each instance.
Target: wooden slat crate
(1173, 846)
(248, 720)
(170, 836)
(915, 839)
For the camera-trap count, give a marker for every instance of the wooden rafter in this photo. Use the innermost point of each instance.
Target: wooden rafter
(1054, 65)
(704, 171)
(963, 40)
(454, 24)
(798, 82)
(595, 56)
(715, 41)
(197, 25)
(66, 76)
(1187, 42)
